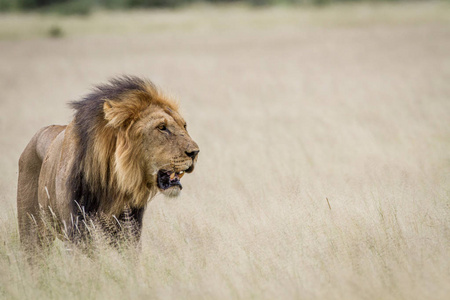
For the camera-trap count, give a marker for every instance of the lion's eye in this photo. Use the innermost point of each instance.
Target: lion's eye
(185, 126)
(162, 127)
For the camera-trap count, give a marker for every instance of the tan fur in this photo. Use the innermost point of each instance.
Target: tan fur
(125, 152)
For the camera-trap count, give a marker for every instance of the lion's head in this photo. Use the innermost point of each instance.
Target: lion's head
(134, 143)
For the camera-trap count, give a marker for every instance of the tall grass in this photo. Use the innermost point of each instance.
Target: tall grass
(375, 242)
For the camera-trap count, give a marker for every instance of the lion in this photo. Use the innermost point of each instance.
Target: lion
(126, 143)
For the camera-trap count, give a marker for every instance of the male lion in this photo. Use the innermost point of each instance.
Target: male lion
(126, 142)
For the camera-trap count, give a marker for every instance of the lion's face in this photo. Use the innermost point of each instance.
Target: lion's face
(168, 150)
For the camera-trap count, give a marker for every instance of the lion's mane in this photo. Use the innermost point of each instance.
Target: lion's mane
(106, 175)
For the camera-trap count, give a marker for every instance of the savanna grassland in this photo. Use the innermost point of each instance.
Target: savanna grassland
(324, 170)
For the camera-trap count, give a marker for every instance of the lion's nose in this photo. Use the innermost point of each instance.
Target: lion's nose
(192, 154)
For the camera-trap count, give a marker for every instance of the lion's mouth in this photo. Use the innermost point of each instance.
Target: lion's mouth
(168, 179)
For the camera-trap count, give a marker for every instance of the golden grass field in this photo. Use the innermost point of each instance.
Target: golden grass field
(290, 107)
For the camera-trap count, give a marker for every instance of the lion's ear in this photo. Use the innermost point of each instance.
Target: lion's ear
(119, 114)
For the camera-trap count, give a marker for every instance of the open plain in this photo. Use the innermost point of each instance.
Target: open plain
(324, 170)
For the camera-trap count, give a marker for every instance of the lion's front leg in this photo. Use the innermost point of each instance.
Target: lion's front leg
(131, 220)
(124, 230)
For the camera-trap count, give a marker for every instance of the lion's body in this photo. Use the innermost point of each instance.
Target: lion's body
(105, 163)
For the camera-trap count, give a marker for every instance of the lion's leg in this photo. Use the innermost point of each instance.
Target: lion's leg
(27, 194)
(128, 233)
(32, 226)
(136, 219)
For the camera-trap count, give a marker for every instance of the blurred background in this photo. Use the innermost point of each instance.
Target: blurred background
(84, 7)
(324, 134)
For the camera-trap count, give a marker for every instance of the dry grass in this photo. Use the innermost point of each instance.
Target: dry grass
(286, 116)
